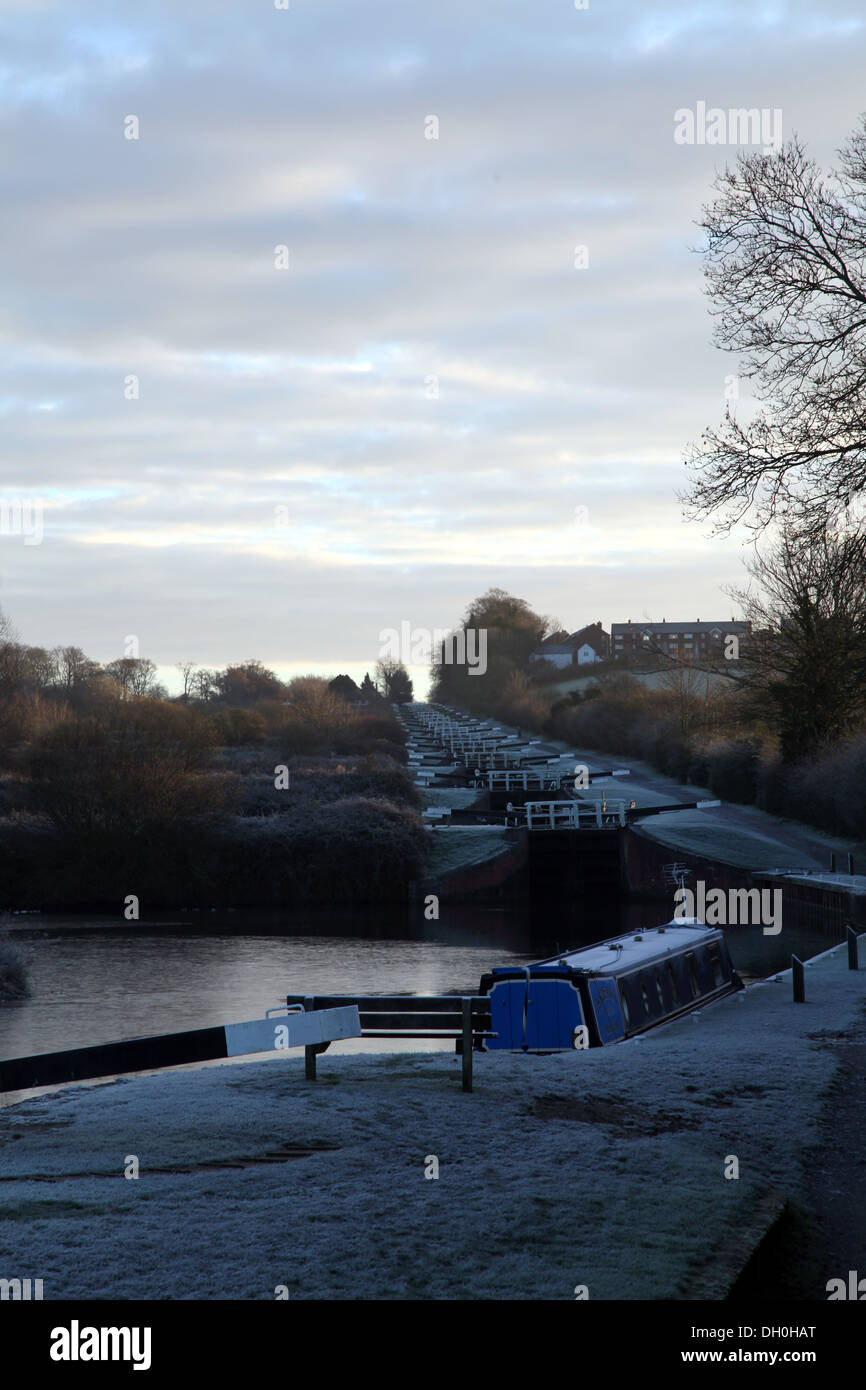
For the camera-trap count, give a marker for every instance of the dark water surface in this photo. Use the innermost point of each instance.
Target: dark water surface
(97, 979)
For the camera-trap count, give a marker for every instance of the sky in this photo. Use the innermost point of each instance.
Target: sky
(297, 340)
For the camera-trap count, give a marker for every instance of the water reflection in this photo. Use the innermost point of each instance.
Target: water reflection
(95, 980)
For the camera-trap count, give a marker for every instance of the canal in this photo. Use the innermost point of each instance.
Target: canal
(95, 979)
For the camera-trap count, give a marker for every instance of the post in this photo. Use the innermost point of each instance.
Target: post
(467, 1044)
(309, 1052)
(853, 961)
(799, 977)
(851, 864)
(832, 861)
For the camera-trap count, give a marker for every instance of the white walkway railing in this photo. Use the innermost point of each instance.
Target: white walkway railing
(574, 815)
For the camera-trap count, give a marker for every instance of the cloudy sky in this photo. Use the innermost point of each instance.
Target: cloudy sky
(241, 457)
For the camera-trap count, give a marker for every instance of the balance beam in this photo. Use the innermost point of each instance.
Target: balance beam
(293, 1029)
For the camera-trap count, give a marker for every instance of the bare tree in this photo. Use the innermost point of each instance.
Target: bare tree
(394, 681)
(186, 669)
(246, 682)
(74, 668)
(134, 674)
(42, 666)
(785, 266)
(203, 686)
(694, 691)
(805, 665)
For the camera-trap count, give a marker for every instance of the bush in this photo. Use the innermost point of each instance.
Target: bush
(141, 771)
(358, 848)
(666, 748)
(23, 716)
(699, 768)
(828, 789)
(373, 734)
(733, 768)
(13, 972)
(544, 672)
(771, 794)
(323, 780)
(238, 728)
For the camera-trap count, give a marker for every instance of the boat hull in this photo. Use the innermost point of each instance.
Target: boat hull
(579, 1000)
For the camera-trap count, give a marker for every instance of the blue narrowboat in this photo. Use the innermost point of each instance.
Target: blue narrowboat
(613, 990)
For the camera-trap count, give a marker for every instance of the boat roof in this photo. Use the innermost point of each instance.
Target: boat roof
(635, 949)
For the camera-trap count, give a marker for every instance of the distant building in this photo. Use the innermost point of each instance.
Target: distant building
(584, 647)
(698, 640)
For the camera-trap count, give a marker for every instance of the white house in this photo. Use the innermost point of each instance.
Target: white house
(584, 647)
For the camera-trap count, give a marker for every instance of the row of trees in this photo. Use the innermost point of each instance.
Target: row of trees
(110, 787)
(799, 682)
(68, 674)
(207, 804)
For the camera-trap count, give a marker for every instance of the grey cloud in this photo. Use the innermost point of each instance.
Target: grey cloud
(410, 259)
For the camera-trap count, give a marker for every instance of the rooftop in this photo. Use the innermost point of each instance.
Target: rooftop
(637, 948)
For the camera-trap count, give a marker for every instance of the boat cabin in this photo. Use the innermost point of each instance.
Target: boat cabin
(610, 991)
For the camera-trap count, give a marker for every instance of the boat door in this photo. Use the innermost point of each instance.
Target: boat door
(533, 1012)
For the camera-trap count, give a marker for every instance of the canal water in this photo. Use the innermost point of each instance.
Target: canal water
(95, 979)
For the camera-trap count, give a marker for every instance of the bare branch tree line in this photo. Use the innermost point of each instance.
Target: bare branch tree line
(66, 671)
(785, 269)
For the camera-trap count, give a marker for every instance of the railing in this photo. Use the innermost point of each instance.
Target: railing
(574, 815)
(503, 758)
(507, 781)
(464, 1018)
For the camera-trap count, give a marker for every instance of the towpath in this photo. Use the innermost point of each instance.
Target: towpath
(610, 1168)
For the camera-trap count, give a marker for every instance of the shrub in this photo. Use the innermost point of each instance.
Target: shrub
(237, 728)
(733, 767)
(315, 781)
(13, 972)
(358, 848)
(772, 792)
(373, 733)
(828, 789)
(134, 774)
(23, 716)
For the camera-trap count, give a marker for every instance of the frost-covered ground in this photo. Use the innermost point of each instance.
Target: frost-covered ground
(850, 883)
(603, 1168)
(747, 838)
(457, 846)
(741, 836)
(456, 798)
(717, 837)
(651, 680)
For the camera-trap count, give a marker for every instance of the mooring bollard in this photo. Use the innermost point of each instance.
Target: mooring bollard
(467, 1044)
(798, 975)
(309, 1052)
(851, 935)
